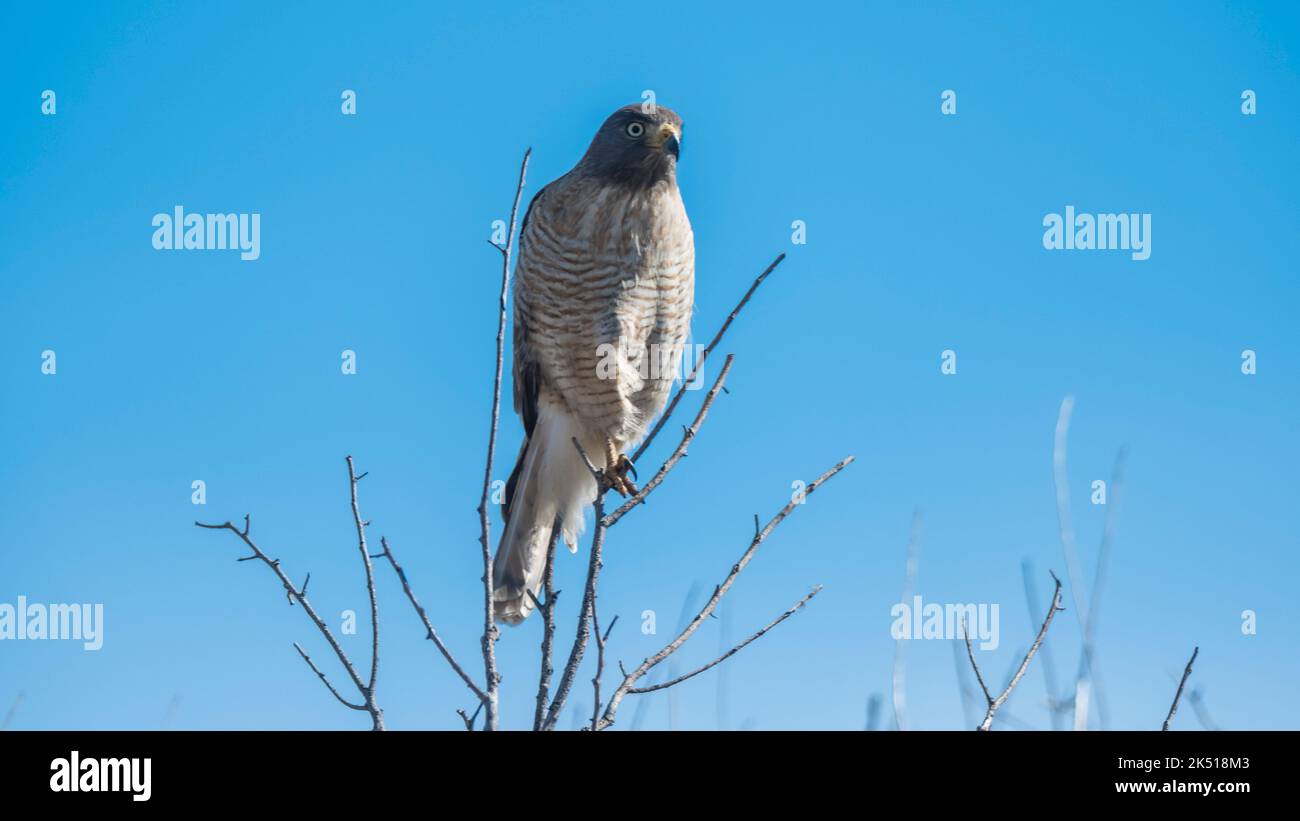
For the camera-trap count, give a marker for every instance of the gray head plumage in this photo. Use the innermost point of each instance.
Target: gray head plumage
(637, 146)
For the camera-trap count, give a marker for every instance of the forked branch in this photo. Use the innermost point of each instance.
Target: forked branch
(630, 679)
(994, 704)
(365, 687)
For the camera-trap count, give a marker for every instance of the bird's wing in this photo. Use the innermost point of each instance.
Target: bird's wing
(526, 372)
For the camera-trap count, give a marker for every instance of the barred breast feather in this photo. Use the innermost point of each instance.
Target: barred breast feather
(607, 277)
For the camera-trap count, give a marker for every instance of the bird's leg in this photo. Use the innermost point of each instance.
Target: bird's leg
(617, 467)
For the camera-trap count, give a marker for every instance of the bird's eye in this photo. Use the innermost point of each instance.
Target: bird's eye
(634, 129)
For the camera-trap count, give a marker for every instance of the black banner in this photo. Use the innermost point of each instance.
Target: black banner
(130, 770)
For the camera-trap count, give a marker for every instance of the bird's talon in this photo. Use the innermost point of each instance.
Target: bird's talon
(625, 467)
(615, 477)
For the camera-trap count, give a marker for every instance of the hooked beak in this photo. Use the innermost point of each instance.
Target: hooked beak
(668, 139)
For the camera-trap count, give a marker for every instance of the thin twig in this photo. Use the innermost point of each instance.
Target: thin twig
(469, 719)
(970, 654)
(493, 679)
(326, 681)
(677, 397)
(733, 651)
(376, 714)
(353, 480)
(600, 662)
(1011, 671)
(430, 632)
(688, 435)
(594, 565)
(1054, 704)
(630, 679)
(547, 609)
(1173, 708)
(994, 704)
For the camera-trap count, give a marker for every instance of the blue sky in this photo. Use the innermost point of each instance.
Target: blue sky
(924, 233)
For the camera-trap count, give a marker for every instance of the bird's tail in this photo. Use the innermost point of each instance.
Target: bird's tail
(550, 486)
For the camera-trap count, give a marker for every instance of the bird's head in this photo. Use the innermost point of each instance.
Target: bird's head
(638, 145)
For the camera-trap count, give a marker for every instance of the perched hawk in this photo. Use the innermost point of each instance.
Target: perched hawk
(603, 294)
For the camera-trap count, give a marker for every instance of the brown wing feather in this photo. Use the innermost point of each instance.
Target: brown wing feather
(526, 373)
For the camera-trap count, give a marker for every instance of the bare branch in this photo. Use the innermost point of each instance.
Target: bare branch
(547, 609)
(1173, 708)
(353, 479)
(600, 663)
(469, 719)
(485, 522)
(994, 704)
(677, 397)
(630, 680)
(326, 681)
(970, 653)
(1054, 704)
(594, 565)
(733, 651)
(687, 437)
(376, 714)
(430, 632)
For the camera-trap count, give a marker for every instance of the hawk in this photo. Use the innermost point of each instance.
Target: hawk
(603, 294)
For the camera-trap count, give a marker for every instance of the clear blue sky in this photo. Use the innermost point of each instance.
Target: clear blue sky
(924, 234)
